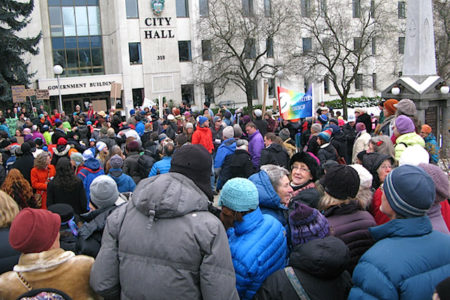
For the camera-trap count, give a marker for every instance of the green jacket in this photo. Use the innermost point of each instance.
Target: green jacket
(407, 140)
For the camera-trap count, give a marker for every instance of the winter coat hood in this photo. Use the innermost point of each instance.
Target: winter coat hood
(324, 258)
(92, 164)
(268, 197)
(182, 196)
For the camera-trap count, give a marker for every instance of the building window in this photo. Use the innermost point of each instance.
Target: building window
(357, 44)
(401, 45)
(307, 44)
(254, 89)
(269, 47)
(247, 7)
(138, 97)
(132, 9)
(134, 50)
(374, 46)
(206, 49)
(76, 37)
(183, 8)
(250, 48)
(372, 8)
(401, 9)
(209, 92)
(267, 8)
(306, 84)
(326, 85)
(359, 82)
(187, 93)
(306, 8)
(271, 87)
(374, 81)
(184, 50)
(323, 7)
(204, 8)
(356, 8)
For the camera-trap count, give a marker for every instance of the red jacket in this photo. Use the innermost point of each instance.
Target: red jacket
(379, 216)
(39, 180)
(203, 136)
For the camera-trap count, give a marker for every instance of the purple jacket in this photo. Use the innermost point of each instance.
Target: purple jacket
(351, 225)
(39, 135)
(255, 146)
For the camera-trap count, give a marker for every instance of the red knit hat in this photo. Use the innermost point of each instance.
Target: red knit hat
(62, 141)
(389, 106)
(34, 230)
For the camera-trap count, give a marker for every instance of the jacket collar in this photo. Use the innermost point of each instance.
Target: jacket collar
(249, 222)
(42, 260)
(402, 228)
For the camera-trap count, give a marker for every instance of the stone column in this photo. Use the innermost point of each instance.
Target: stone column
(444, 129)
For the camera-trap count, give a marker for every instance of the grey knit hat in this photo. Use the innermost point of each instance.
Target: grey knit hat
(406, 107)
(104, 192)
(228, 133)
(116, 162)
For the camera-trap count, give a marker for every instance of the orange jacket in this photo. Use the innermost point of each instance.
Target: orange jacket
(203, 136)
(39, 180)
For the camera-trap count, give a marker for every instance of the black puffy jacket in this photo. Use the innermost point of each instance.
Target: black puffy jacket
(319, 265)
(275, 154)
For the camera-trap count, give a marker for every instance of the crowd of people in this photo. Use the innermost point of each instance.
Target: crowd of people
(222, 205)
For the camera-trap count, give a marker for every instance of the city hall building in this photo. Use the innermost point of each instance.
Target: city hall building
(147, 48)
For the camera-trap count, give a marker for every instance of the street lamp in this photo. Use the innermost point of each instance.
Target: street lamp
(58, 70)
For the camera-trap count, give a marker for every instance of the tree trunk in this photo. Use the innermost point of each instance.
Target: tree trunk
(249, 94)
(344, 107)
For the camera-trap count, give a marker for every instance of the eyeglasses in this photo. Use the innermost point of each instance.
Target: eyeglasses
(301, 169)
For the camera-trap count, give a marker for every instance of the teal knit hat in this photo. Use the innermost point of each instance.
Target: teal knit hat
(239, 194)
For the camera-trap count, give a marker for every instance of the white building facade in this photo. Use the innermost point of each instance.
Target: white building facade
(150, 52)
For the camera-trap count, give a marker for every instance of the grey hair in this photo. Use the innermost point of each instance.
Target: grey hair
(275, 174)
(316, 127)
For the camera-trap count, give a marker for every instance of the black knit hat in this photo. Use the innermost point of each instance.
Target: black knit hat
(194, 162)
(341, 182)
(65, 211)
(308, 160)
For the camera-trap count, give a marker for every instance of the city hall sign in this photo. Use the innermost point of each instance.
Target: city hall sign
(158, 33)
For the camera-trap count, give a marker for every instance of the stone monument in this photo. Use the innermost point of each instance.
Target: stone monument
(419, 81)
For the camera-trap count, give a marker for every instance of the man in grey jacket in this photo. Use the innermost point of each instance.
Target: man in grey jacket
(164, 244)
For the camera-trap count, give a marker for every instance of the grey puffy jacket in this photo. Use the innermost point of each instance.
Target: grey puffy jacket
(164, 244)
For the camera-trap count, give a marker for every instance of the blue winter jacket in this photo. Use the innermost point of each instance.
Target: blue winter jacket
(407, 262)
(124, 182)
(432, 148)
(140, 128)
(226, 148)
(91, 170)
(160, 167)
(258, 248)
(269, 201)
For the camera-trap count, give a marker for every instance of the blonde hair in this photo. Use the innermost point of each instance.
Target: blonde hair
(328, 201)
(8, 210)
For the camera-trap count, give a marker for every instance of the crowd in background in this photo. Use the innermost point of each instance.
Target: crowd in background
(95, 204)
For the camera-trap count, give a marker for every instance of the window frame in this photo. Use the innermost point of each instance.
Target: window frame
(359, 82)
(267, 8)
(269, 48)
(305, 6)
(208, 90)
(304, 42)
(139, 50)
(189, 49)
(401, 9)
(356, 9)
(401, 45)
(137, 9)
(250, 48)
(206, 50)
(248, 8)
(200, 6)
(186, 8)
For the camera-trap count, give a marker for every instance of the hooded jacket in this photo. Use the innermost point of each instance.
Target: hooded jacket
(226, 148)
(255, 146)
(90, 170)
(326, 152)
(258, 248)
(166, 237)
(319, 266)
(131, 166)
(407, 140)
(418, 259)
(275, 154)
(432, 148)
(203, 136)
(124, 182)
(269, 201)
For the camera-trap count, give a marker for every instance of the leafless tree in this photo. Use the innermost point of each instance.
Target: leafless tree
(342, 38)
(241, 36)
(442, 36)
